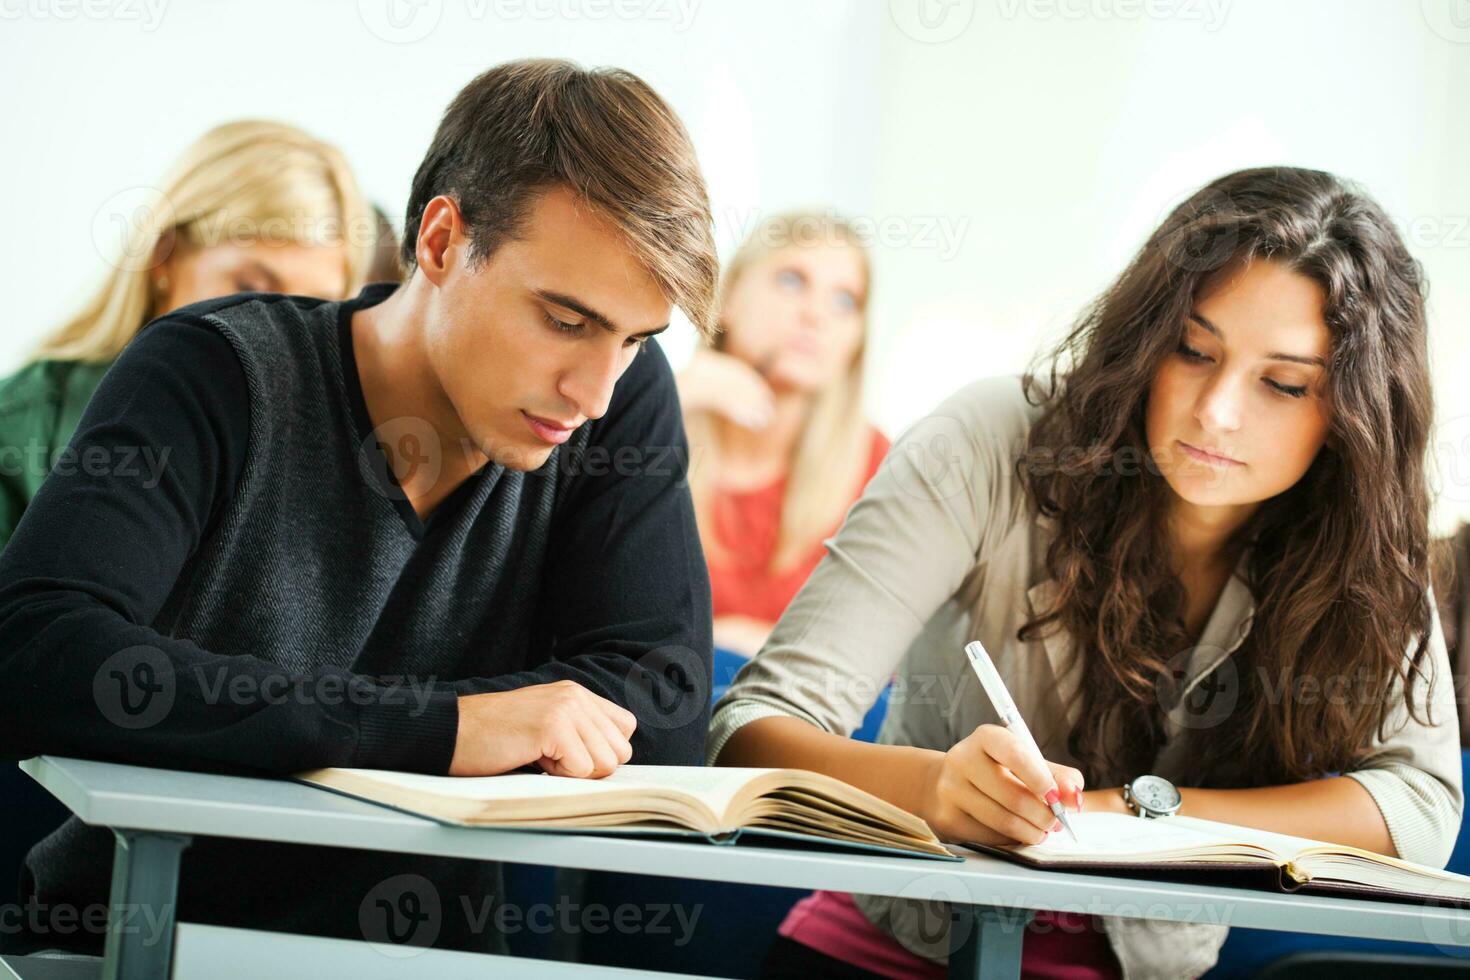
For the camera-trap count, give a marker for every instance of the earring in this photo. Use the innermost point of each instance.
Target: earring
(161, 283)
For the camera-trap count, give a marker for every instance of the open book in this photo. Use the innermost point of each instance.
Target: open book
(1118, 843)
(715, 804)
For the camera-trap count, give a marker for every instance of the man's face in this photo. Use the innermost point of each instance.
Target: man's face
(528, 346)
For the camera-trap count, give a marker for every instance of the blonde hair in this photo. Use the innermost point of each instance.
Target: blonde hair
(831, 454)
(249, 179)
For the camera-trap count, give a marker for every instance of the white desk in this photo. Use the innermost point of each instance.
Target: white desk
(155, 812)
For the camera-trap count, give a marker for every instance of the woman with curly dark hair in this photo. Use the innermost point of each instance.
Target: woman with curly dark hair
(1196, 546)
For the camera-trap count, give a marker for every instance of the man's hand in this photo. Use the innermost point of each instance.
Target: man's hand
(562, 727)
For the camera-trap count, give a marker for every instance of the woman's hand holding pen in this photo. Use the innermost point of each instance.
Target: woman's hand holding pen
(990, 790)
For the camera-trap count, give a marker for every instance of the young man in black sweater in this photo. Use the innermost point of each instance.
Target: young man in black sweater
(442, 527)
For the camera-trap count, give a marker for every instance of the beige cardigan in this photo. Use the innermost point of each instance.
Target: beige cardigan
(940, 550)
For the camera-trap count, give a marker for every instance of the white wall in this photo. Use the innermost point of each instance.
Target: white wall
(1009, 155)
(777, 96)
(1057, 133)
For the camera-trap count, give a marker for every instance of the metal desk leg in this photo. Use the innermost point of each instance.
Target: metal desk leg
(140, 917)
(985, 942)
(571, 884)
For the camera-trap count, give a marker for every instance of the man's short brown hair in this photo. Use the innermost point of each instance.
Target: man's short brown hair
(525, 126)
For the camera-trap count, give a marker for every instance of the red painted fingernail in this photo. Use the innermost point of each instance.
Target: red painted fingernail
(1056, 826)
(1051, 797)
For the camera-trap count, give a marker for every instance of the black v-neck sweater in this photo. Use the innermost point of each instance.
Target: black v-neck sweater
(226, 577)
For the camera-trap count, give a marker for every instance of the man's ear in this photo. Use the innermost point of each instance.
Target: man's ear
(442, 243)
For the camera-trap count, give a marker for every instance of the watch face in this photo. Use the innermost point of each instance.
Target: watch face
(1155, 793)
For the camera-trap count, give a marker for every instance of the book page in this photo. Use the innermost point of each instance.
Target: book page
(715, 786)
(709, 800)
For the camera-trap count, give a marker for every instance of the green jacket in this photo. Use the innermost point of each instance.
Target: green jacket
(40, 406)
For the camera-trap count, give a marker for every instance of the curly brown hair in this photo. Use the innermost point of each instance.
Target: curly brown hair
(1338, 563)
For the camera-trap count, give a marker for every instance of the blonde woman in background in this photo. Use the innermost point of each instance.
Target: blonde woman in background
(779, 444)
(251, 206)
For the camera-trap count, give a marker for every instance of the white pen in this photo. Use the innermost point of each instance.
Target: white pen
(1009, 716)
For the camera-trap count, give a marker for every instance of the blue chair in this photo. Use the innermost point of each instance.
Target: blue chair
(1249, 952)
(727, 664)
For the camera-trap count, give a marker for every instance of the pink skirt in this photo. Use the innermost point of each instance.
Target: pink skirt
(1057, 945)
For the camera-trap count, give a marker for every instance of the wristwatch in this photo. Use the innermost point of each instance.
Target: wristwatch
(1152, 796)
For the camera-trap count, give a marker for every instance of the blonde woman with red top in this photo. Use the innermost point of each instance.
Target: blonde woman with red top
(779, 444)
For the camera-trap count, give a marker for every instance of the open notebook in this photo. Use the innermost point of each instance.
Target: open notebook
(1190, 847)
(714, 804)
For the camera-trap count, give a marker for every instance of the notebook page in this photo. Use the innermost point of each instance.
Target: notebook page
(1116, 836)
(1285, 845)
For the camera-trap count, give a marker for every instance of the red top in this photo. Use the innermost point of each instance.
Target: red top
(747, 523)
